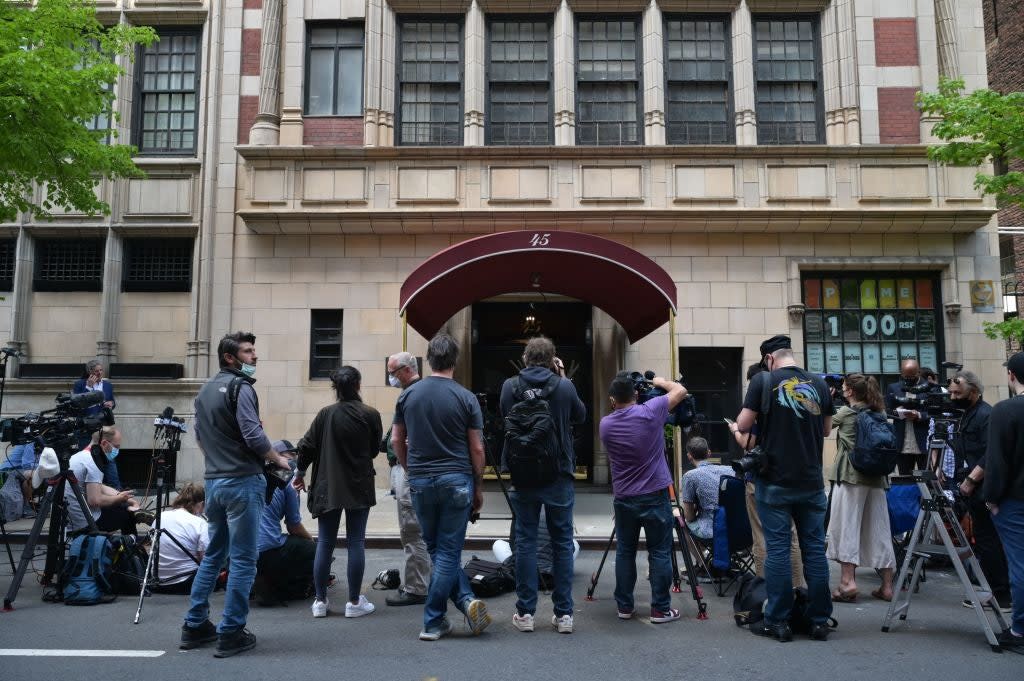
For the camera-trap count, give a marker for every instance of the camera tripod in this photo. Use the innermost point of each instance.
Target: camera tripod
(151, 577)
(52, 506)
(5, 354)
(684, 543)
(937, 517)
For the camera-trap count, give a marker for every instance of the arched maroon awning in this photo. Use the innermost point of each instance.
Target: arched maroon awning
(628, 285)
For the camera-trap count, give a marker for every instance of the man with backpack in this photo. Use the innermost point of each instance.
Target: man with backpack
(792, 409)
(539, 407)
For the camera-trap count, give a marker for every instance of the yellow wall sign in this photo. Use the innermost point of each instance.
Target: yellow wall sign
(983, 295)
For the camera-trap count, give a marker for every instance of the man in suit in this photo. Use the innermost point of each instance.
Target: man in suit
(911, 424)
(93, 381)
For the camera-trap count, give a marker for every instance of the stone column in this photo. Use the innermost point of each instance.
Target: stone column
(945, 27)
(21, 298)
(110, 303)
(294, 54)
(474, 75)
(839, 44)
(654, 75)
(372, 72)
(386, 112)
(565, 76)
(743, 75)
(848, 82)
(266, 130)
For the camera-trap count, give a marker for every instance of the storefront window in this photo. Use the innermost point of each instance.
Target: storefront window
(869, 323)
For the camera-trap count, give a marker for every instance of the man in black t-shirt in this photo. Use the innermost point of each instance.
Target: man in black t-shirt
(793, 413)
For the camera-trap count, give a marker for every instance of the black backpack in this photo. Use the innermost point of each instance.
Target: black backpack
(752, 594)
(532, 447)
(128, 567)
(487, 578)
(874, 451)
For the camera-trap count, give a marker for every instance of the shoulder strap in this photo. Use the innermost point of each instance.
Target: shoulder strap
(234, 388)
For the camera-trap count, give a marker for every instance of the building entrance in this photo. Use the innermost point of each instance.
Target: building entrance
(500, 330)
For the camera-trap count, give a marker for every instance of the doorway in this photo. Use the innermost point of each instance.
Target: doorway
(500, 330)
(714, 377)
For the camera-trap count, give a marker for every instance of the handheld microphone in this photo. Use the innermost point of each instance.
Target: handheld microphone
(168, 420)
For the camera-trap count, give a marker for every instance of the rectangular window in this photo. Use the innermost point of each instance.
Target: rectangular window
(787, 67)
(870, 322)
(167, 94)
(608, 81)
(698, 65)
(157, 265)
(519, 82)
(334, 69)
(324, 342)
(69, 265)
(430, 82)
(8, 255)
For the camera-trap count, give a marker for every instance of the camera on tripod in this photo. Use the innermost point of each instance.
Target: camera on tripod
(684, 415)
(68, 420)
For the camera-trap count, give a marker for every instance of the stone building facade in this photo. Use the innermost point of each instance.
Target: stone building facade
(765, 153)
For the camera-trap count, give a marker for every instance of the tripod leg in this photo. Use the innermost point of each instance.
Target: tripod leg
(7, 543)
(676, 581)
(597, 575)
(695, 590)
(30, 547)
(149, 570)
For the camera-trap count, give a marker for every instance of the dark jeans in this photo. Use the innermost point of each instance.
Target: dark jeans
(779, 508)
(443, 504)
(557, 500)
(1010, 524)
(988, 548)
(355, 536)
(177, 589)
(285, 573)
(652, 513)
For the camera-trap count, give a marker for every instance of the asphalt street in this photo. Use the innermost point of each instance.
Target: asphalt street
(940, 640)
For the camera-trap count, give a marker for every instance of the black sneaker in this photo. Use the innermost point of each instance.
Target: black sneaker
(820, 632)
(198, 636)
(235, 642)
(1007, 639)
(780, 632)
(403, 597)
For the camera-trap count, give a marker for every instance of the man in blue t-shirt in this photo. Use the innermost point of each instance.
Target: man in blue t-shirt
(634, 437)
(284, 571)
(437, 437)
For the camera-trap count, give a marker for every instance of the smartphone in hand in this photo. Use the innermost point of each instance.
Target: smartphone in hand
(728, 422)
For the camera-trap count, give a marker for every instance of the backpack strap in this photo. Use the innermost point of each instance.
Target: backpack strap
(543, 392)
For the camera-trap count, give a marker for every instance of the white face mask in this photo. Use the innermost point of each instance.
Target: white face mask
(394, 382)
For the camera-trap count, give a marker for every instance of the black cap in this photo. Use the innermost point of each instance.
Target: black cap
(283, 446)
(775, 343)
(1016, 365)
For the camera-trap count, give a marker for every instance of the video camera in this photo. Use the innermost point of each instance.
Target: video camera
(67, 421)
(835, 388)
(684, 415)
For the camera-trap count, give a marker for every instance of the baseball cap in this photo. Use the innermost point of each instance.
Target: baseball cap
(285, 447)
(1016, 365)
(48, 467)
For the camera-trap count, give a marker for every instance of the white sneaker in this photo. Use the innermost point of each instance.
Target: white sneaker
(563, 624)
(319, 608)
(363, 607)
(523, 622)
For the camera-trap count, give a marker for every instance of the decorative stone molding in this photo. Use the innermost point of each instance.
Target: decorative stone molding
(746, 128)
(698, 5)
(654, 127)
(518, 6)
(796, 313)
(842, 126)
(266, 130)
(473, 128)
(787, 5)
(429, 6)
(952, 311)
(291, 126)
(604, 7)
(565, 128)
(945, 27)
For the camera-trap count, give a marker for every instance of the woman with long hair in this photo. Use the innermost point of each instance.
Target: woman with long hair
(858, 529)
(341, 444)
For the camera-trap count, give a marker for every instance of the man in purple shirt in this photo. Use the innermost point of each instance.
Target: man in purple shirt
(634, 437)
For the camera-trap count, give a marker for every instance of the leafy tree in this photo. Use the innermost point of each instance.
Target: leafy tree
(977, 127)
(57, 73)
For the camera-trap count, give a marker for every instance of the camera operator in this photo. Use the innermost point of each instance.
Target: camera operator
(634, 437)
(912, 441)
(112, 510)
(969, 444)
(793, 411)
(234, 446)
(1004, 489)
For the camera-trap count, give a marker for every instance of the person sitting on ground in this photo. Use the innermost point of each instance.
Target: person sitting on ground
(502, 550)
(700, 488)
(18, 464)
(284, 571)
(188, 535)
(112, 510)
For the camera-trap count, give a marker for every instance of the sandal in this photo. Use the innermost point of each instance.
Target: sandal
(840, 596)
(880, 595)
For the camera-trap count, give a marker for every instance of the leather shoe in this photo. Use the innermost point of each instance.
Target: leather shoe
(820, 632)
(781, 632)
(403, 597)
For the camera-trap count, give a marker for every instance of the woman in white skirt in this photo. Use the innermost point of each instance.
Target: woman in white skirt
(858, 529)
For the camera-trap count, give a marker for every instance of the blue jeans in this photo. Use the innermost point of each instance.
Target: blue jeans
(355, 536)
(443, 504)
(233, 508)
(779, 508)
(1009, 524)
(653, 513)
(557, 500)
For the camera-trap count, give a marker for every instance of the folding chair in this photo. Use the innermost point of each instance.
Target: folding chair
(903, 499)
(733, 541)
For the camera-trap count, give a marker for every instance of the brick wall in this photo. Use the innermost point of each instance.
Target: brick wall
(252, 4)
(248, 107)
(899, 121)
(333, 131)
(251, 51)
(896, 42)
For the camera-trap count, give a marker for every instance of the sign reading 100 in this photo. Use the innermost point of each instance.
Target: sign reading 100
(869, 325)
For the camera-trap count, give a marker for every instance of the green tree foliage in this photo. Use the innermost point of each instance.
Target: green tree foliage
(978, 127)
(1010, 330)
(57, 73)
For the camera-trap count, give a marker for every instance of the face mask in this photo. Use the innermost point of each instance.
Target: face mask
(112, 454)
(394, 382)
(962, 402)
(910, 382)
(249, 370)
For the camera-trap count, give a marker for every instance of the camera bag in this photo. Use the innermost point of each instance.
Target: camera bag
(531, 443)
(86, 579)
(487, 578)
(128, 567)
(874, 451)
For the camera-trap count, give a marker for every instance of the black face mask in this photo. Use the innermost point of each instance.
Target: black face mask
(961, 402)
(910, 382)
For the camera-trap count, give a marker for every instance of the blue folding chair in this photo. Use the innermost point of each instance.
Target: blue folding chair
(733, 539)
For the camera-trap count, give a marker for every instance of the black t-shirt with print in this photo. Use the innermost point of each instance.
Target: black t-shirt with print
(793, 434)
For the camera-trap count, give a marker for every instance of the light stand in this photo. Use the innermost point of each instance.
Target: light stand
(5, 354)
